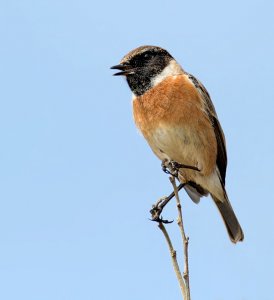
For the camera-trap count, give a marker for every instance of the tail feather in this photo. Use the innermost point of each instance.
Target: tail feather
(193, 194)
(195, 191)
(232, 224)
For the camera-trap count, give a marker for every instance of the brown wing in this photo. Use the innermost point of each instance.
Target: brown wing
(210, 110)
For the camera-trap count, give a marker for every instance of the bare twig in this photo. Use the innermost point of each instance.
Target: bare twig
(174, 261)
(184, 237)
(183, 280)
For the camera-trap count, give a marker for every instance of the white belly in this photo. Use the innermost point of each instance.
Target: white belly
(185, 146)
(180, 144)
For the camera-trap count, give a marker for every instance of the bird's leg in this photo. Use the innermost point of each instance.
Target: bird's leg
(177, 166)
(171, 167)
(158, 207)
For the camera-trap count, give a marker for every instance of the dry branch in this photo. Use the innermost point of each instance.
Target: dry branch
(183, 235)
(183, 280)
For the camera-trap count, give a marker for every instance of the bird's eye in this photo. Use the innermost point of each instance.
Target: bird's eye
(146, 55)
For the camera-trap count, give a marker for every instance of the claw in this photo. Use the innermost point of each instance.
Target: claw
(165, 221)
(161, 220)
(166, 170)
(157, 210)
(158, 207)
(165, 166)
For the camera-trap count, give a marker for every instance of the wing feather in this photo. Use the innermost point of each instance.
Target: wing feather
(220, 138)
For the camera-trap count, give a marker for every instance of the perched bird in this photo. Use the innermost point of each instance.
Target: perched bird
(175, 114)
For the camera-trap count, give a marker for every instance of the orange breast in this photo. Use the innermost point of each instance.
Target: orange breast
(172, 119)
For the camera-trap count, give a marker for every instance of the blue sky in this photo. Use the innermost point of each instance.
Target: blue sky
(76, 178)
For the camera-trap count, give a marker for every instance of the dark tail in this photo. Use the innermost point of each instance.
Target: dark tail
(233, 227)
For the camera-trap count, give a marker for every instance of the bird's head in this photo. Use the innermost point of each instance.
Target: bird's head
(144, 66)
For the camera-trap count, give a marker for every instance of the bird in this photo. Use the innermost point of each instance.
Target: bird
(174, 112)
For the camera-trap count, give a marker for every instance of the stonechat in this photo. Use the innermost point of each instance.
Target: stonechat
(175, 114)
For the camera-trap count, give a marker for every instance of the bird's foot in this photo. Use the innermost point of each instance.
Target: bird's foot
(172, 168)
(169, 167)
(157, 209)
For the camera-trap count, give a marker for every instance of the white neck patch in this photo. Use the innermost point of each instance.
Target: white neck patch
(172, 69)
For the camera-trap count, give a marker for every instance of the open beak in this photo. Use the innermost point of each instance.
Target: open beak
(125, 70)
